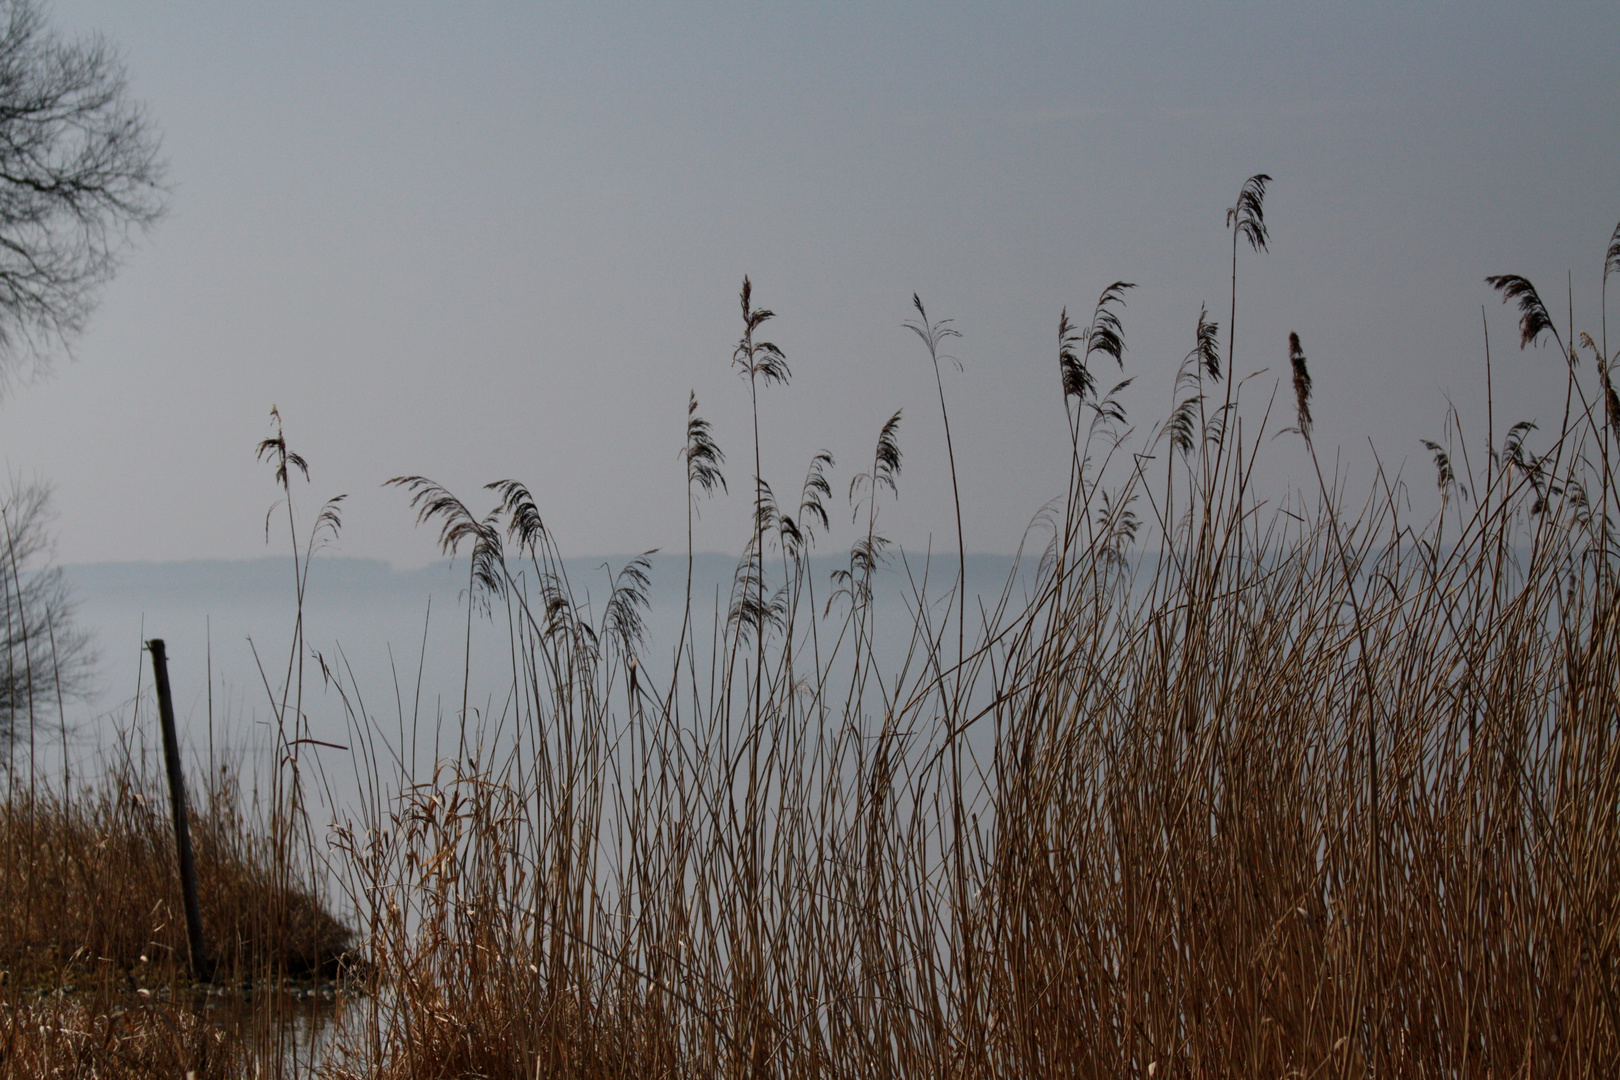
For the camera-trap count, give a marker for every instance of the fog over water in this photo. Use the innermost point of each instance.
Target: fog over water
(368, 621)
(507, 241)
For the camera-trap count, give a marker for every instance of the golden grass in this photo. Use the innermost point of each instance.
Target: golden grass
(94, 977)
(1290, 791)
(1302, 793)
(74, 1037)
(91, 893)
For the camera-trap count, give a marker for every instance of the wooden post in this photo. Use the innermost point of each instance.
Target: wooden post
(201, 966)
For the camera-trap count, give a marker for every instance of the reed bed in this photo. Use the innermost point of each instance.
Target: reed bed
(1220, 787)
(93, 1037)
(95, 979)
(92, 894)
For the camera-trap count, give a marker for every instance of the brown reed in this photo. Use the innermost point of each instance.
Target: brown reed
(1289, 791)
(1301, 793)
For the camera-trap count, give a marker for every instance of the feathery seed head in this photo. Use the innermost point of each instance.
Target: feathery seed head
(1302, 384)
(1105, 335)
(703, 456)
(1207, 349)
(1533, 317)
(758, 359)
(1247, 218)
(932, 333)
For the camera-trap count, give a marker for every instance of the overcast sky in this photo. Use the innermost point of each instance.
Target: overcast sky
(489, 241)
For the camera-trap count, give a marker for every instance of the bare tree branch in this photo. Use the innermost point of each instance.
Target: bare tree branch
(80, 172)
(42, 651)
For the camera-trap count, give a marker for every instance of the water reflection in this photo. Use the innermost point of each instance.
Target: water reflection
(288, 1031)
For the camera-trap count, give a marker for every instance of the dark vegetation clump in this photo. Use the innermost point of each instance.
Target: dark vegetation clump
(89, 892)
(95, 974)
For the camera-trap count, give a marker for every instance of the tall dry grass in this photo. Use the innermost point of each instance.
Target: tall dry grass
(91, 894)
(1304, 789)
(1219, 784)
(95, 979)
(97, 1037)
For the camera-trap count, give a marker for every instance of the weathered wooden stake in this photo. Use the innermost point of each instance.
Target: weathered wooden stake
(201, 966)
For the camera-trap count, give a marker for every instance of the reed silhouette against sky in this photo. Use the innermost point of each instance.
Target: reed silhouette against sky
(511, 239)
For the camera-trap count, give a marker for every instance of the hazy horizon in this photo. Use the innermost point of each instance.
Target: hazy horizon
(389, 634)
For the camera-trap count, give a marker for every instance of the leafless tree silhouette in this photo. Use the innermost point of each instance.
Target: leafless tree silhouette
(80, 171)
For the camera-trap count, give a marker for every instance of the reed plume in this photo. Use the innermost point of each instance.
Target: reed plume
(1533, 317)
(1302, 384)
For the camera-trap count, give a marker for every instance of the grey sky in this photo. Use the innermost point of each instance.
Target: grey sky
(505, 240)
